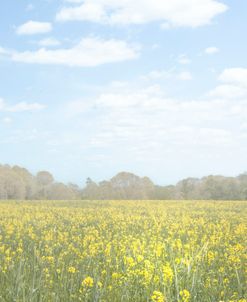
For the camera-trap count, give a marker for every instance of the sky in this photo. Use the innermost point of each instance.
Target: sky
(95, 87)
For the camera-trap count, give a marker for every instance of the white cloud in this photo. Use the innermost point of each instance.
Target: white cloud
(185, 76)
(179, 13)
(49, 42)
(77, 107)
(157, 75)
(7, 120)
(228, 91)
(21, 136)
(183, 59)
(143, 119)
(155, 46)
(20, 107)
(211, 50)
(34, 27)
(24, 106)
(234, 84)
(147, 103)
(1, 104)
(165, 26)
(3, 51)
(236, 76)
(244, 126)
(140, 116)
(88, 53)
(89, 11)
(74, 1)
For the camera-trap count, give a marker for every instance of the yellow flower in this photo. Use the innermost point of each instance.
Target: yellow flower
(87, 282)
(167, 273)
(133, 248)
(140, 258)
(72, 270)
(185, 295)
(116, 275)
(99, 284)
(157, 297)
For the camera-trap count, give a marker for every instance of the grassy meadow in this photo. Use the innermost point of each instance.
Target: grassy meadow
(123, 251)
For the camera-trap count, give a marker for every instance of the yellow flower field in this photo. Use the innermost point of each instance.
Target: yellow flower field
(123, 251)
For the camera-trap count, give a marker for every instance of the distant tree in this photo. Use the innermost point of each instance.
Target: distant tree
(12, 185)
(44, 178)
(130, 186)
(28, 180)
(242, 179)
(18, 183)
(219, 188)
(188, 189)
(91, 190)
(76, 190)
(164, 193)
(59, 191)
(106, 190)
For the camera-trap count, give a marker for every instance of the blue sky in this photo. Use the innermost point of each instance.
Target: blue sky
(94, 87)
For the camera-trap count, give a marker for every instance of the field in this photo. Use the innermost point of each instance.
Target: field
(123, 251)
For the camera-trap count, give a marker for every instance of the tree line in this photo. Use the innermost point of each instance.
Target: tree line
(18, 183)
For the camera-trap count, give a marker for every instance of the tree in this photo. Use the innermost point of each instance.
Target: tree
(44, 178)
(188, 189)
(163, 193)
(91, 189)
(59, 191)
(18, 183)
(130, 186)
(28, 180)
(11, 184)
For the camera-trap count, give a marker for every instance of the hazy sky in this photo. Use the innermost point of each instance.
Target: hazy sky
(93, 87)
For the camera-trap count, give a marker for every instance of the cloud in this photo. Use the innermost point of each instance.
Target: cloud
(86, 12)
(165, 26)
(185, 76)
(88, 53)
(20, 107)
(3, 51)
(22, 136)
(234, 84)
(158, 74)
(236, 76)
(142, 117)
(211, 50)
(179, 13)
(74, 1)
(1, 104)
(172, 74)
(49, 42)
(24, 106)
(34, 27)
(228, 92)
(183, 59)
(7, 120)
